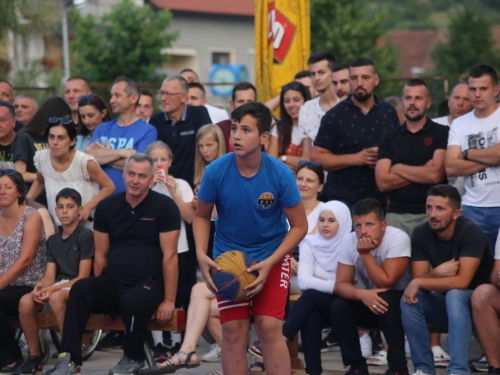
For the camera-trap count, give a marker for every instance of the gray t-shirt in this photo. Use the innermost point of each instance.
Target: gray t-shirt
(68, 253)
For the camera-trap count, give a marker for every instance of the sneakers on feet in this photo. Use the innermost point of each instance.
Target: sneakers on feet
(213, 355)
(33, 366)
(366, 345)
(357, 372)
(379, 359)
(479, 364)
(441, 358)
(126, 366)
(11, 370)
(64, 366)
(113, 340)
(160, 352)
(420, 372)
(329, 346)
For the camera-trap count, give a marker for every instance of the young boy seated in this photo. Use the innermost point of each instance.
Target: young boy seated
(69, 258)
(254, 194)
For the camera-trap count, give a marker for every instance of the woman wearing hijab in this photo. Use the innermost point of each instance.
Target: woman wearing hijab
(316, 275)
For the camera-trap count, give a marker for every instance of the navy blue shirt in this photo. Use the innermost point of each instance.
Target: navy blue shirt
(345, 129)
(180, 136)
(402, 146)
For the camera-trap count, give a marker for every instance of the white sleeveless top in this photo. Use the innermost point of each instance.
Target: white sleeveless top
(75, 177)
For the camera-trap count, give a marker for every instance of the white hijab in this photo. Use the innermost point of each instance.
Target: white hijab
(325, 250)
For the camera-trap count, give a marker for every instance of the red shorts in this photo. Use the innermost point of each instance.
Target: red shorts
(270, 301)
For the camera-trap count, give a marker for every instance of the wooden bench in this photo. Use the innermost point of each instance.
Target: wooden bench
(177, 323)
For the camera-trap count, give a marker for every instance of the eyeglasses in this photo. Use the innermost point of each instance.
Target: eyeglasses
(161, 94)
(314, 164)
(62, 120)
(8, 172)
(86, 99)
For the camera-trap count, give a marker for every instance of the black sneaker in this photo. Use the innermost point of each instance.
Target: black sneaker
(357, 372)
(493, 371)
(33, 366)
(391, 372)
(113, 340)
(160, 352)
(11, 370)
(329, 346)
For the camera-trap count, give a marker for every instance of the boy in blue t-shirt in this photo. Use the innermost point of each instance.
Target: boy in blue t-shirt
(254, 194)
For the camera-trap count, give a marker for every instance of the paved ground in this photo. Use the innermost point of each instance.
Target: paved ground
(101, 362)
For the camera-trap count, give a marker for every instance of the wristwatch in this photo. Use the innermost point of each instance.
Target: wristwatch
(284, 158)
(464, 154)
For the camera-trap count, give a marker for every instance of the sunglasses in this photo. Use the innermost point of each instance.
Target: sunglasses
(86, 99)
(314, 164)
(61, 120)
(292, 86)
(8, 172)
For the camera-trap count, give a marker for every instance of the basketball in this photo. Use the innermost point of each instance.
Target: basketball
(233, 276)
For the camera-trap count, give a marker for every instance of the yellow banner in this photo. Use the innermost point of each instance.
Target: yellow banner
(282, 44)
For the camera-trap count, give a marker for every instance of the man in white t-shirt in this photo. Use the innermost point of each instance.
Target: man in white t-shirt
(321, 64)
(372, 274)
(459, 104)
(474, 152)
(486, 313)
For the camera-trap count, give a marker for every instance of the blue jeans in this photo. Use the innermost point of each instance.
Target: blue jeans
(488, 218)
(451, 311)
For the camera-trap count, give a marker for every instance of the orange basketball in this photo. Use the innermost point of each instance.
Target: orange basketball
(233, 276)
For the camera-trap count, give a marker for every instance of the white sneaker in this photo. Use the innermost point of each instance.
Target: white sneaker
(213, 355)
(23, 345)
(407, 348)
(366, 345)
(420, 372)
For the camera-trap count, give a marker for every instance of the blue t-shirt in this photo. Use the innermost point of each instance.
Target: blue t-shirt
(250, 215)
(136, 136)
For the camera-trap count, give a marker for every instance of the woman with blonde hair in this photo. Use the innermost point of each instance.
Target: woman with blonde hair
(209, 146)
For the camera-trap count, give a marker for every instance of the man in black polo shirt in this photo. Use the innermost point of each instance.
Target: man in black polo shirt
(135, 266)
(410, 159)
(177, 126)
(348, 137)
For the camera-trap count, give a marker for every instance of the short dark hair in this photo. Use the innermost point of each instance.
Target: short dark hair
(76, 78)
(12, 111)
(132, 87)
(340, 66)
(196, 85)
(243, 86)
(18, 180)
(362, 61)
(318, 170)
(52, 107)
(70, 128)
(303, 74)
(446, 191)
(367, 206)
(483, 69)
(145, 92)
(320, 56)
(187, 70)
(71, 194)
(416, 82)
(256, 110)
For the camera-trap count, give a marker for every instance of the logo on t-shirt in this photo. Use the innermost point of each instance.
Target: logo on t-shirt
(428, 141)
(266, 200)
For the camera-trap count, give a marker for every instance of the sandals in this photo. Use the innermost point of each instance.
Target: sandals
(379, 359)
(215, 373)
(256, 350)
(259, 365)
(441, 358)
(187, 361)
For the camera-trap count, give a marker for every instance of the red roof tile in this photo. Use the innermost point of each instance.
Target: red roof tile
(231, 7)
(415, 48)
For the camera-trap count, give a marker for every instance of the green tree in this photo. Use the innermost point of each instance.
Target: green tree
(470, 42)
(128, 41)
(345, 29)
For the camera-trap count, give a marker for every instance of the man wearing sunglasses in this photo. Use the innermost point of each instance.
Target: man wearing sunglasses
(7, 133)
(114, 141)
